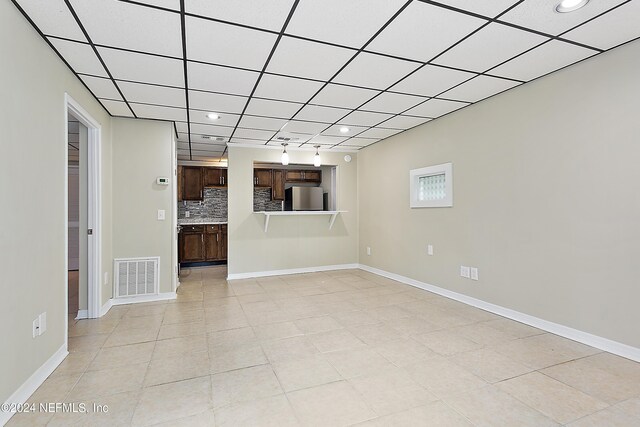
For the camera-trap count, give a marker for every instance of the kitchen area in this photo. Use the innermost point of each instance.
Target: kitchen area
(202, 215)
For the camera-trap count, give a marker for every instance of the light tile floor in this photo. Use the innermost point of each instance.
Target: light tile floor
(329, 349)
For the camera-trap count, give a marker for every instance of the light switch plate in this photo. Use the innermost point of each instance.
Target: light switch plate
(474, 273)
(368, 250)
(36, 326)
(429, 249)
(465, 272)
(161, 214)
(42, 320)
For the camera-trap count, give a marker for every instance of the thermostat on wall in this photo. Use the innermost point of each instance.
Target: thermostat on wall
(162, 180)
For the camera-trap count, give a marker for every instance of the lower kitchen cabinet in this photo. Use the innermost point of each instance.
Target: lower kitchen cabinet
(191, 246)
(199, 243)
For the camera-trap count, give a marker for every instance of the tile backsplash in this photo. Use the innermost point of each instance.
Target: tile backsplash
(262, 201)
(214, 205)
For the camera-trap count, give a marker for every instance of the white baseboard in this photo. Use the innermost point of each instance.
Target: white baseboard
(254, 274)
(25, 391)
(106, 307)
(144, 298)
(82, 314)
(601, 343)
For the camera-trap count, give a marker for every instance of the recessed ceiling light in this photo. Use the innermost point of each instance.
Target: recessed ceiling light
(344, 129)
(570, 5)
(213, 116)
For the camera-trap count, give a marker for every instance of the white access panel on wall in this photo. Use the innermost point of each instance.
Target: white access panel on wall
(136, 276)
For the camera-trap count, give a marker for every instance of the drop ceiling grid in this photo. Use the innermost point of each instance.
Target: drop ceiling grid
(132, 59)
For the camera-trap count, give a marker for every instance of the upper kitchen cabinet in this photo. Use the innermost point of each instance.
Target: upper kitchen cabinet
(192, 180)
(262, 177)
(277, 187)
(303, 176)
(215, 177)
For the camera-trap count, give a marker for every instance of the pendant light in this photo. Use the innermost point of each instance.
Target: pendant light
(316, 159)
(285, 155)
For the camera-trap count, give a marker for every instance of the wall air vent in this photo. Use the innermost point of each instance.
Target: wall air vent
(136, 276)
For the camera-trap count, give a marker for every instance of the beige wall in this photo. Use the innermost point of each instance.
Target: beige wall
(33, 167)
(546, 185)
(142, 151)
(291, 242)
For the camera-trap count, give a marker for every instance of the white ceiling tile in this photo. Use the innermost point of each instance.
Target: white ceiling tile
(226, 119)
(600, 33)
(374, 71)
(256, 13)
(221, 79)
(350, 23)
(53, 18)
(479, 88)
(379, 133)
(431, 80)
(143, 68)
(490, 46)
(101, 87)
(254, 122)
(300, 58)
(141, 93)
(286, 88)
(291, 137)
(305, 127)
(395, 103)
(343, 96)
(541, 15)
(489, 8)
(126, 25)
(433, 108)
(80, 56)
(422, 31)
(117, 108)
(364, 118)
(236, 140)
(262, 135)
(542, 60)
(160, 113)
(317, 113)
(265, 107)
(213, 130)
(167, 4)
(404, 122)
(335, 131)
(326, 140)
(225, 44)
(182, 127)
(360, 142)
(206, 141)
(215, 102)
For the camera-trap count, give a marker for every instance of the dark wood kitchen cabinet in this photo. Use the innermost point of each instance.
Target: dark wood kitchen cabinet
(199, 243)
(191, 246)
(296, 176)
(192, 183)
(215, 177)
(277, 185)
(262, 177)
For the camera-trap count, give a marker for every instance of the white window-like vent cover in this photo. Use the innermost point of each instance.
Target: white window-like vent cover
(136, 276)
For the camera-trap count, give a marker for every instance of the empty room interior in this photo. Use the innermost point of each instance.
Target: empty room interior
(320, 213)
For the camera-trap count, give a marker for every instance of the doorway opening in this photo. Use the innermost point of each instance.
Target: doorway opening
(83, 225)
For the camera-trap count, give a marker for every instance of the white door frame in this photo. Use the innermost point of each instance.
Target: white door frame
(94, 201)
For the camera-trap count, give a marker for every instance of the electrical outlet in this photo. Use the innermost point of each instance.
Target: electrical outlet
(429, 249)
(187, 214)
(465, 272)
(36, 327)
(474, 273)
(161, 214)
(105, 279)
(368, 250)
(42, 320)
